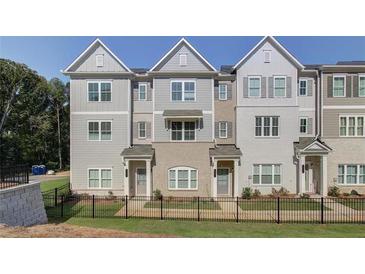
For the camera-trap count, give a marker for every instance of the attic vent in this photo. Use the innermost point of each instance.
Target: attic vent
(100, 60)
(183, 59)
(267, 56)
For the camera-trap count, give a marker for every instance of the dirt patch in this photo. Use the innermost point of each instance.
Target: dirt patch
(69, 231)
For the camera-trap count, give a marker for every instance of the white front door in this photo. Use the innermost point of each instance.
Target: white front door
(141, 181)
(309, 184)
(223, 180)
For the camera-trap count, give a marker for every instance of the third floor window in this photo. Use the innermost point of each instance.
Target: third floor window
(362, 86)
(254, 86)
(339, 86)
(183, 91)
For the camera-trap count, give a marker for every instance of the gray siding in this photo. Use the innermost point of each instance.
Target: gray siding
(139, 117)
(331, 121)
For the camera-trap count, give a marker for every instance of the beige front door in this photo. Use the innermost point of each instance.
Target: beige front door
(223, 181)
(141, 181)
(309, 183)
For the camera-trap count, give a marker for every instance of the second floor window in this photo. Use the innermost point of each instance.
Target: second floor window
(100, 130)
(182, 131)
(222, 92)
(267, 126)
(183, 91)
(303, 124)
(279, 86)
(303, 88)
(339, 86)
(362, 86)
(141, 130)
(99, 91)
(352, 126)
(142, 92)
(254, 86)
(222, 129)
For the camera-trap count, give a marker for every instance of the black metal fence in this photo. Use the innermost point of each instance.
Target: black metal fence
(52, 197)
(11, 176)
(272, 210)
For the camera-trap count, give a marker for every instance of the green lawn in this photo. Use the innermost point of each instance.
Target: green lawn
(358, 204)
(214, 229)
(52, 184)
(183, 205)
(295, 204)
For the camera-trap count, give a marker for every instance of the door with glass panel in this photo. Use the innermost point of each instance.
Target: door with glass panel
(223, 180)
(141, 181)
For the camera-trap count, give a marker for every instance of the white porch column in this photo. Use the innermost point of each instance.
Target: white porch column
(236, 178)
(126, 178)
(214, 181)
(324, 188)
(148, 178)
(301, 174)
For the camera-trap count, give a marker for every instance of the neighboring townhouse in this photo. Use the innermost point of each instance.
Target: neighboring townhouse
(342, 127)
(186, 129)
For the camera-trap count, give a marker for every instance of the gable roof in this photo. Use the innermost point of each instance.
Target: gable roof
(183, 41)
(91, 47)
(277, 45)
(312, 143)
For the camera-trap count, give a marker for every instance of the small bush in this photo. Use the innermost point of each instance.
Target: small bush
(304, 196)
(333, 191)
(283, 191)
(354, 193)
(52, 165)
(345, 194)
(111, 195)
(157, 195)
(256, 193)
(246, 193)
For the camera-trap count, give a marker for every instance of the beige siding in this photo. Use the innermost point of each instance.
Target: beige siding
(138, 117)
(331, 121)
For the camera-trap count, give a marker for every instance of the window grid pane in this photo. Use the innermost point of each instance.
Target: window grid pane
(106, 130)
(279, 84)
(254, 87)
(362, 86)
(93, 91)
(339, 86)
(93, 130)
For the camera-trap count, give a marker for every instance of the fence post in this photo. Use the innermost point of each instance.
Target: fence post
(198, 208)
(322, 207)
(278, 205)
(126, 206)
(62, 200)
(237, 210)
(55, 197)
(161, 208)
(93, 206)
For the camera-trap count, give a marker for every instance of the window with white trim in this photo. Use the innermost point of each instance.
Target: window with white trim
(99, 60)
(99, 130)
(362, 86)
(351, 174)
(183, 59)
(222, 92)
(266, 174)
(183, 178)
(223, 128)
(100, 177)
(352, 125)
(99, 91)
(183, 91)
(254, 86)
(279, 86)
(267, 126)
(182, 130)
(303, 124)
(303, 87)
(141, 130)
(339, 86)
(142, 92)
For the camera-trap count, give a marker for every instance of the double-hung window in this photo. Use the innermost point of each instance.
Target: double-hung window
(142, 92)
(182, 131)
(141, 130)
(279, 86)
(99, 130)
(222, 129)
(222, 92)
(303, 87)
(266, 174)
(182, 178)
(183, 91)
(352, 125)
(100, 177)
(351, 174)
(99, 91)
(339, 86)
(254, 86)
(303, 124)
(267, 126)
(362, 85)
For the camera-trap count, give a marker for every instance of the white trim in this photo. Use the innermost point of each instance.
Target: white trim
(97, 40)
(182, 40)
(306, 124)
(272, 174)
(219, 129)
(139, 92)
(280, 76)
(183, 131)
(99, 128)
(219, 92)
(98, 112)
(248, 85)
(347, 116)
(360, 76)
(99, 172)
(183, 81)
(276, 43)
(212, 112)
(136, 178)
(177, 176)
(318, 144)
(344, 85)
(307, 109)
(345, 175)
(139, 128)
(306, 87)
(345, 107)
(99, 82)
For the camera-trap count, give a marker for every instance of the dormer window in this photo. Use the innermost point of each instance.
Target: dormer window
(183, 59)
(100, 60)
(267, 56)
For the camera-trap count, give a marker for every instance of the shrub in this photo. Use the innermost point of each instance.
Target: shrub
(256, 193)
(111, 195)
(304, 196)
(246, 193)
(346, 194)
(157, 195)
(354, 193)
(333, 191)
(283, 191)
(52, 165)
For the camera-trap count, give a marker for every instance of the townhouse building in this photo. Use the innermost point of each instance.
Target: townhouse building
(187, 129)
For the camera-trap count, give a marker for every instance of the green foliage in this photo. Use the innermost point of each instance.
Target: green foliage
(333, 191)
(157, 195)
(354, 193)
(256, 193)
(281, 192)
(247, 193)
(304, 196)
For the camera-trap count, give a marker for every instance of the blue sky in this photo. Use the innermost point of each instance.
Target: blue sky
(48, 55)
